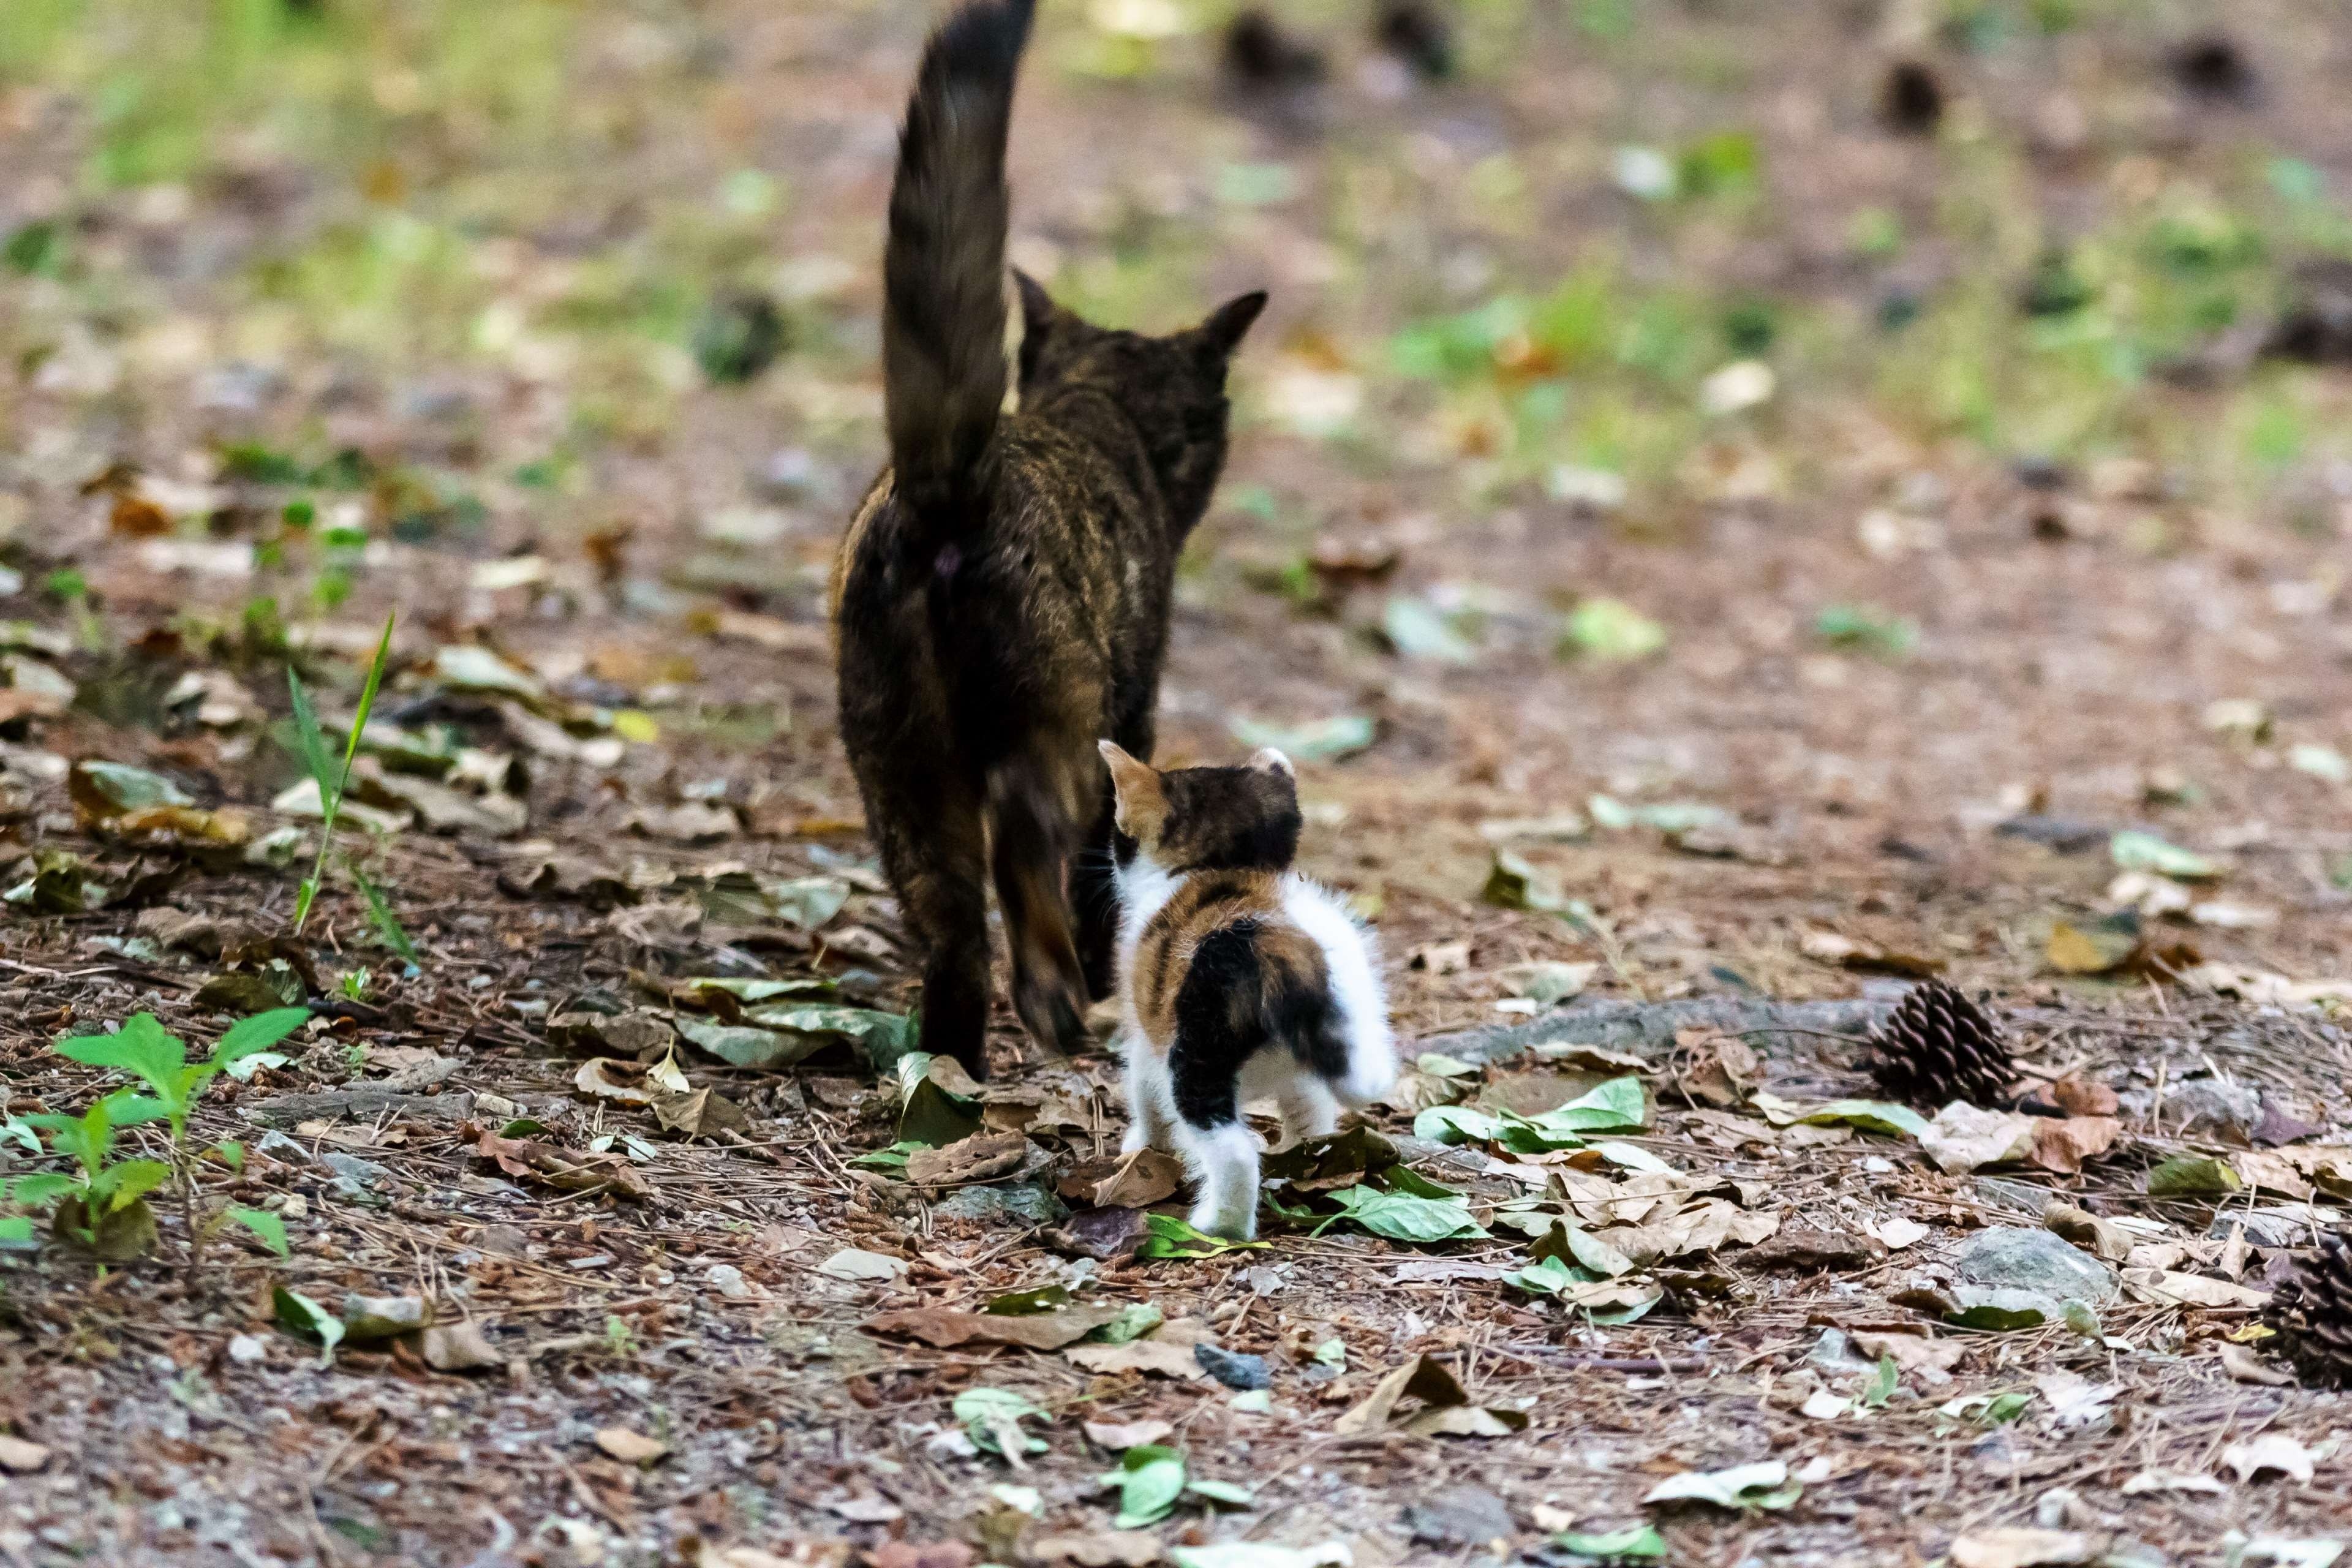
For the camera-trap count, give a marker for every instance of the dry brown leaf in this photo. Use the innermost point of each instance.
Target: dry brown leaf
(981, 1157)
(1964, 1137)
(1120, 1436)
(2245, 1366)
(1131, 1181)
(1420, 1378)
(1848, 952)
(2101, 1238)
(1158, 1356)
(1099, 1549)
(618, 1082)
(1929, 1360)
(2079, 1096)
(2020, 1548)
(567, 1170)
(2271, 1451)
(2172, 1287)
(945, 1328)
(630, 1448)
(1712, 1068)
(2063, 1145)
(700, 1113)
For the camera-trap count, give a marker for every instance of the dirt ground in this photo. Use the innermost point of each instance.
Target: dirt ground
(1718, 551)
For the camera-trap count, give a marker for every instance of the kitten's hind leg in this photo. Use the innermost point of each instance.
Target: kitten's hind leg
(1308, 1109)
(1030, 825)
(1225, 1158)
(1150, 1124)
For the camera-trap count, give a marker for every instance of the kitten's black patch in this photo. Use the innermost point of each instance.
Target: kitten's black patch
(1229, 819)
(1002, 598)
(1240, 997)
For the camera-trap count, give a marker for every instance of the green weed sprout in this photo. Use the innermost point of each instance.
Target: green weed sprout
(331, 778)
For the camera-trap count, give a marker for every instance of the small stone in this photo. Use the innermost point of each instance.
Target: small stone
(2012, 1258)
(459, 1347)
(360, 1174)
(1833, 1352)
(249, 1349)
(2022, 1197)
(728, 1281)
(1026, 1204)
(383, 1317)
(504, 1241)
(1461, 1518)
(2211, 1105)
(21, 1457)
(279, 1146)
(1803, 1251)
(1232, 1368)
(2265, 1227)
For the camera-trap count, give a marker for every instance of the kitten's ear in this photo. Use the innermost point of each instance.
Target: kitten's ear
(1142, 804)
(1224, 330)
(1270, 760)
(1038, 313)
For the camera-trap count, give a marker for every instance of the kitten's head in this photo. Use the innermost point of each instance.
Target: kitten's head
(1173, 387)
(1202, 819)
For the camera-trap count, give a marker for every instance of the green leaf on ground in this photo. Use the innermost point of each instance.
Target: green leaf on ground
(305, 1319)
(2137, 851)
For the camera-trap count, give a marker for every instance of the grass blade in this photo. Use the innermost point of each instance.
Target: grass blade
(313, 742)
(387, 924)
(314, 753)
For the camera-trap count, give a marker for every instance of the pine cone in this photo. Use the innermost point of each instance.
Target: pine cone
(2312, 1311)
(1938, 1046)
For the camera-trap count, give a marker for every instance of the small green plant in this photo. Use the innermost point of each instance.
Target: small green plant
(355, 983)
(329, 777)
(105, 1200)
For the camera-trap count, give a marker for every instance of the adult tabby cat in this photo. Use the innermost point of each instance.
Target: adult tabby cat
(1001, 596)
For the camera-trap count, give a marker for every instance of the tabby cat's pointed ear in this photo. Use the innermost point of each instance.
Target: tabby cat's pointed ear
(1038, 314)
(1226, 327)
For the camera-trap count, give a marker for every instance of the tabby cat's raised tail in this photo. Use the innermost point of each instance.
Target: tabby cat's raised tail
(943, 267)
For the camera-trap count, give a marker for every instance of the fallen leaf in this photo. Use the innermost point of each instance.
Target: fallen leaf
(2075, 1400)
(2020, 1548)
(1963, 1137)
(2174, 1287)
(2245, 1366)
(1132, 1181)
(1764, 1484)
(980, 1158)
(2062, 1145)
(2173, 1481)
(1868, 957)
(1099, 1549)
(567, 1170)
(1897, 1232)
(2271, 1451)
(2078, 1096)
(1711, 1068)
(1158, 1357)
(944, 1329)
(1420, 1378)
(1118, 1436)
(855, 1263)
(2193, 1177)
(2073, 951)
(458, 1347)
(619, 1082)
(2101, 1238)
(630, 1448)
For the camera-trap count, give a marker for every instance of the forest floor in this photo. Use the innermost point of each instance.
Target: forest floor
(1718, 553)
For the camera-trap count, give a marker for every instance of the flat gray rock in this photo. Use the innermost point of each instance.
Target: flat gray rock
(1647, 1028)
(1460, 1518)
(2016, 1258)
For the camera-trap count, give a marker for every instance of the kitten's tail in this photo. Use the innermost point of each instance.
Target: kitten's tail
(943, 267)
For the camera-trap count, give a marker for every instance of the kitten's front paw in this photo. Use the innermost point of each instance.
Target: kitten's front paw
(1136, 1141)
(1233, 1225)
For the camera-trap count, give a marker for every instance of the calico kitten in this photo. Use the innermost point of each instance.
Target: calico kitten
(1238, 977)
(1001, 596)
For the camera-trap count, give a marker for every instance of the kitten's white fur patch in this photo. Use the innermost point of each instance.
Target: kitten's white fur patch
(1224, 1160)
